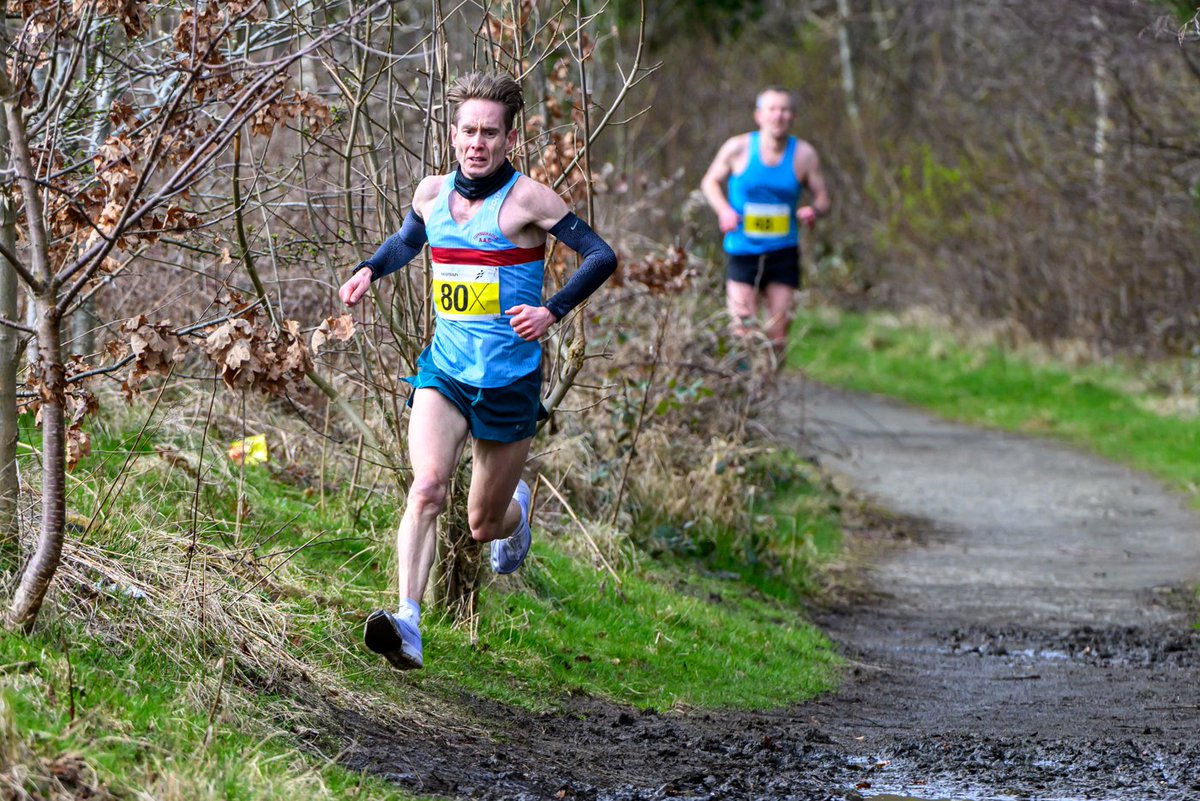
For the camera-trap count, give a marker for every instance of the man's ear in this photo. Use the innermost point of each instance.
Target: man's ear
(512, 139)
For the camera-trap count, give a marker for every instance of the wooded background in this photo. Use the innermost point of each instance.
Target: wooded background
(1036, 162)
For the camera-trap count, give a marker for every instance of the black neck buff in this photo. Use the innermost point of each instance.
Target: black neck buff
(479, 188)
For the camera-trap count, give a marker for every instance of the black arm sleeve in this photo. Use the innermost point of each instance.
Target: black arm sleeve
(599, 262)
(398, 249)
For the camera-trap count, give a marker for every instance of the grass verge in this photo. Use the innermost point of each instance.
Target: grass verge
(195, 597)
(1102, 407)
(82, 716)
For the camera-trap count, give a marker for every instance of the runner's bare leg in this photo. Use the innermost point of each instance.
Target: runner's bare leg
(742, 303)
(495, 469)
(781, 308)
(437, 432)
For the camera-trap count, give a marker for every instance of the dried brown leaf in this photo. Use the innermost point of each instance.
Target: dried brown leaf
(79, 445)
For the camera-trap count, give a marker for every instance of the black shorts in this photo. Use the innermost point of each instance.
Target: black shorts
(502, 414)
(774, 267)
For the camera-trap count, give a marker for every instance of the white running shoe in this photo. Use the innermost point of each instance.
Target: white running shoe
(396, 638)
(509, 553)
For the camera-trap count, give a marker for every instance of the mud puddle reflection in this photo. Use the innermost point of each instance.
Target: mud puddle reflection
(943, 796)
(891, 797)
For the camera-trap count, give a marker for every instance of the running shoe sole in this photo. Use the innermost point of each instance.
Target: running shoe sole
(382, 635)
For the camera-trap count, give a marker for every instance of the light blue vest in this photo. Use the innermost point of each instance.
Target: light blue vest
(477, 275)
(766, 198)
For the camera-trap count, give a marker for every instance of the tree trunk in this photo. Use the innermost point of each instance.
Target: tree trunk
(457, 570)
(85, 319)
(10, 545)
(35, 580)
(9, 342)
(1101, 53)
(844, 55)
(848, 88)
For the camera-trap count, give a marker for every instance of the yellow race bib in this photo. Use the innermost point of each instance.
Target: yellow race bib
(466, 292)
(762, 220)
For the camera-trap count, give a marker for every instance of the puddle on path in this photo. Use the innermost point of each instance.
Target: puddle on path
(952, 797)
(891, 797)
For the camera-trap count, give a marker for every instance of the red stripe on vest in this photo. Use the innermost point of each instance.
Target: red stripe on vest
(500, 258)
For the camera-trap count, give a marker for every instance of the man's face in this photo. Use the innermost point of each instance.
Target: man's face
(480, 140)
(774, 114)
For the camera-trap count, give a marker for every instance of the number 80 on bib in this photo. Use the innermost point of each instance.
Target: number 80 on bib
(466, 292)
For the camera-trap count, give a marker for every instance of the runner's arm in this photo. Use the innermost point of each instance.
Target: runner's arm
(398, 249)
(545, 210)
(599, 263)
(808, 170)
(712, 185)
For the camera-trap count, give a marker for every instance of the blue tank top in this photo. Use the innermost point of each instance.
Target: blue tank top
(478, 274)
(766, 198)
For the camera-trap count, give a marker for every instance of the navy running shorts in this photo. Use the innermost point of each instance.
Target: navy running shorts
(773, 267)
(500, 414)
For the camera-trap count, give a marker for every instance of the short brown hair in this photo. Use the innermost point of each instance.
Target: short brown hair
(496, 86)
(774, 89)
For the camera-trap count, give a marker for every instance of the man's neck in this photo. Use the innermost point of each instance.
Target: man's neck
(773, 143)
(480, 188)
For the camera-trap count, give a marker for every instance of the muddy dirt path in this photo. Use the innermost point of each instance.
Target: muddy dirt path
(1026, 635)
(1034, 640)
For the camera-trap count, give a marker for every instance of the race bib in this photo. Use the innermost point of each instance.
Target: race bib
(466, 292)
(761, 220)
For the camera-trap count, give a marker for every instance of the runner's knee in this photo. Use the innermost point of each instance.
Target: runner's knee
(428, 494)
(486, 527)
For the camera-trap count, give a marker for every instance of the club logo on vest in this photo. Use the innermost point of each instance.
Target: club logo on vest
(487, 238)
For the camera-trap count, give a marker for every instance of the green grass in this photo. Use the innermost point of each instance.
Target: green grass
(1096, 407)
(302, 575)
(793, 526)
(655, 639)
(136, 719)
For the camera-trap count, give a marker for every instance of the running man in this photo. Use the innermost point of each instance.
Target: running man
(768, 171)
(486, 226)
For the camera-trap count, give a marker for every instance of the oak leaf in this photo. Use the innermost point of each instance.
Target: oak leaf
(332, 328)
(79, 445)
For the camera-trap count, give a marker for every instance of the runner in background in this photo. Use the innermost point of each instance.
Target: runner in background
(486, 226)
(768, 172)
